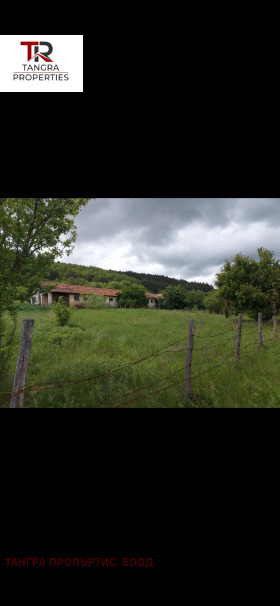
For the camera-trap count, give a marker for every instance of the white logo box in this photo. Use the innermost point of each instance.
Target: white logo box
(67, 55)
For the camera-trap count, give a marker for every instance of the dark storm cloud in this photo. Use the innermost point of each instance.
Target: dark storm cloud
(184, 237)
(112, 215)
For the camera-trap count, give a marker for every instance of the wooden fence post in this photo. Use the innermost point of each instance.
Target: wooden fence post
(189, 358)
(22, 363)
(238, 338)
(260, 328)
(274, 326)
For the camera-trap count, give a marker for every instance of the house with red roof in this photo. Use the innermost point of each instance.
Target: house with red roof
(74, 295)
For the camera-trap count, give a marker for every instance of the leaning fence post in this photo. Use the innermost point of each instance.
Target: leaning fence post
(260, 328)
(238, 338)
(189, 358)
(274, 326)
(22, 363)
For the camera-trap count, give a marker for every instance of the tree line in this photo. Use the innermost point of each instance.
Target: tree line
(156, 284)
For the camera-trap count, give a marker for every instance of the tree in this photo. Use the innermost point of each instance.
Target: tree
(133, 295)
(32, 235)
(247, 285)
(268, 277)
(33, 232)
(174, 297)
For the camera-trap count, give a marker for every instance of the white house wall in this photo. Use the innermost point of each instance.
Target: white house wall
(113, 303)
(47, 299)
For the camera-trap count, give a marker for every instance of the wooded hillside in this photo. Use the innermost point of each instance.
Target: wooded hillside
(70, 273)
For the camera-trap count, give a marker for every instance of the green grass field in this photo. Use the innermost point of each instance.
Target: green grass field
(98, 341)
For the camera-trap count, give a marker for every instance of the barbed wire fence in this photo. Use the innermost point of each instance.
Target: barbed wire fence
(16, 396)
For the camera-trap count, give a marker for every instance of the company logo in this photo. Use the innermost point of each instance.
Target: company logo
(38, 54)
(39, 65)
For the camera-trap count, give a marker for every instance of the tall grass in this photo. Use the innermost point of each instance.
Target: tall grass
(99, 340)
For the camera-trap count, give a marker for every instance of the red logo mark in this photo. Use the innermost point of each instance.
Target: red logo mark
(43, 55)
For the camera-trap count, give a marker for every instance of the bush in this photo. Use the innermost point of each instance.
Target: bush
(7, 333)
(94, 301)
(194, 299)
(213, 303)
(133, 295)
(62, 313)
(23, 306)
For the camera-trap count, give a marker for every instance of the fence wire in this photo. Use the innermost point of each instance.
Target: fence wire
(38, 387)
(113, 370)
(149, 396)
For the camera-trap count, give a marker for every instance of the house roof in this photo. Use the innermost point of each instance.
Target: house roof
(86, 290)
(150, 296)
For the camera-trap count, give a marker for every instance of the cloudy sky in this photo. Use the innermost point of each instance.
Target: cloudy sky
(186, 238)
